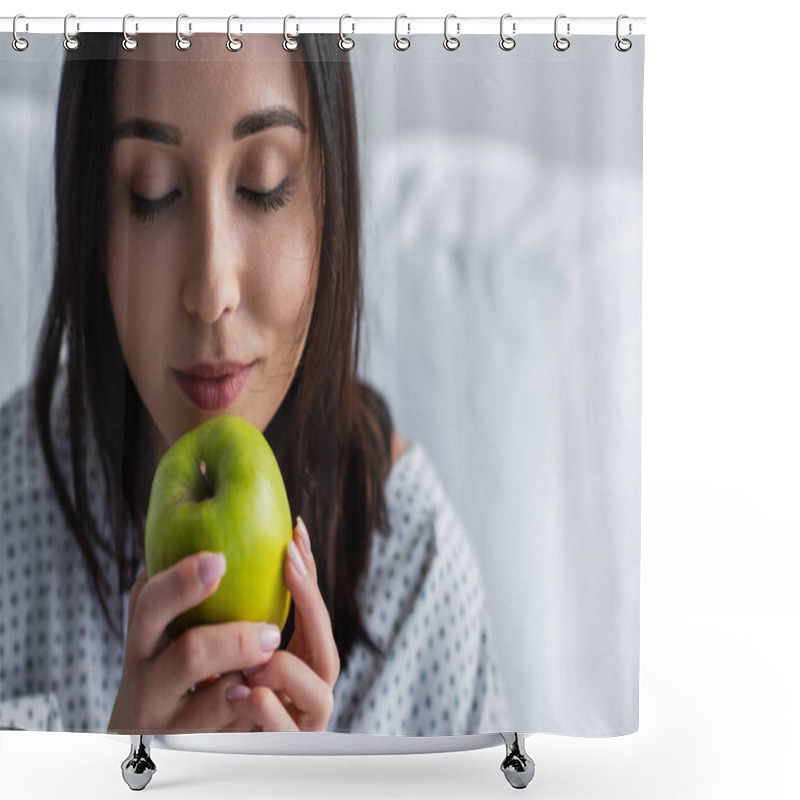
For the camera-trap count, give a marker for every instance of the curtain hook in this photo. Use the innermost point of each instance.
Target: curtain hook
(18, 43)
(233, 44)
(561, 43)
(345, 42)
(182, 43)
(451, 42)
(507, 42)
(623, 45)
(289, 42)
(70, 42)
(400, 42)
(128, 42)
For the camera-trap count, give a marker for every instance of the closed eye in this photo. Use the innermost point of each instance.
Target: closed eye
(268, 201)
(147, 210)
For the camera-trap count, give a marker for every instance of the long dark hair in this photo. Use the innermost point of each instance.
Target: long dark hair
(331, 434)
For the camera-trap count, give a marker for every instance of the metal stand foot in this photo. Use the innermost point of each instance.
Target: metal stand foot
(138, 768)
(518, 766)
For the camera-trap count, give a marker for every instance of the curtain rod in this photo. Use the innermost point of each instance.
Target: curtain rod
(406, 26)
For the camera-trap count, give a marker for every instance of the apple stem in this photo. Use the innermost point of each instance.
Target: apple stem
(209, 487)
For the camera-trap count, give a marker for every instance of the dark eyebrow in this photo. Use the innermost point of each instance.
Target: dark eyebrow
(168, 134)
(279, 115)
(147, 129)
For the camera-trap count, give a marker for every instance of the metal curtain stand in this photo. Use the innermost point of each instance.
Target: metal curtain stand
(138, 768)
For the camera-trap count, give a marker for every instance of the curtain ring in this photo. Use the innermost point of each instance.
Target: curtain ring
(451, 42)
(507, 42)
(623, 45)
(400, 42)
(18, 43)
(233, 44)
(128, 42)
(70, 42)
(561, 43)
(182, 43)
(345, 42)
(289, 42)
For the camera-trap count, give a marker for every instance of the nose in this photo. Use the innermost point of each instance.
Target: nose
(211, 286)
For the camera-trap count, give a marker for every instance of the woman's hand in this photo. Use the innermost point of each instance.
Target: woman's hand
(155, 694)
(294, 689)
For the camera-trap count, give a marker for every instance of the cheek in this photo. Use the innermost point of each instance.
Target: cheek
(137, 293)
(286, 271)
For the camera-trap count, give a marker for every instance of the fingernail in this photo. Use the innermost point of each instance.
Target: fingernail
(269, 636)
(297, 559)
(301, 526)
(237, 692)
(212, 567)
(251, 670)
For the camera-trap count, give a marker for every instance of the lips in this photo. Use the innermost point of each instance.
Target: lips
(212, 387)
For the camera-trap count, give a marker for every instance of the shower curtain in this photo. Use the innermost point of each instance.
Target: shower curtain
(429, 258)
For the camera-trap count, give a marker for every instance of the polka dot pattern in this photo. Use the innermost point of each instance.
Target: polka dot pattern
(60, 664)
(424, 604)
(422, 598)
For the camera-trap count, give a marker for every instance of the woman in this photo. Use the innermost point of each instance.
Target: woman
(227, 281)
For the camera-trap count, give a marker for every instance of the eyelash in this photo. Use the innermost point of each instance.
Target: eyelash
(147, 210)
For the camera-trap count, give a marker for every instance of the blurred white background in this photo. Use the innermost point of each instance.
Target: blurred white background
(720, 609)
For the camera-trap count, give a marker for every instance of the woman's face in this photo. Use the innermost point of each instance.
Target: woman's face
(214, 221)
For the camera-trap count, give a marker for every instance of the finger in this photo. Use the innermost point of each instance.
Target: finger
(310, 695)
(304, 542)
(262, 708)
(140, 581)
(204, 651)
(211, 709)
(206, 682)
(312, 621)
(168, 594)
(241, 725)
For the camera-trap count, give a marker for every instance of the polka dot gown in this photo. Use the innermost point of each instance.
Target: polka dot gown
(60, 663)
(422, 599)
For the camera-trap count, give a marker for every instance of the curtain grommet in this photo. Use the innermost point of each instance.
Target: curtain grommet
(128, 42)
(70, 42)
(561, 43)
(345, 42)
(507, 42)
(289, 42)
(18, 43)
(182, 43)
(623, 45)
(451, 43)
(233, 44)
(400, 42)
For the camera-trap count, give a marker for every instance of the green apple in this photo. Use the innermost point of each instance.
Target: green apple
(219, 488)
